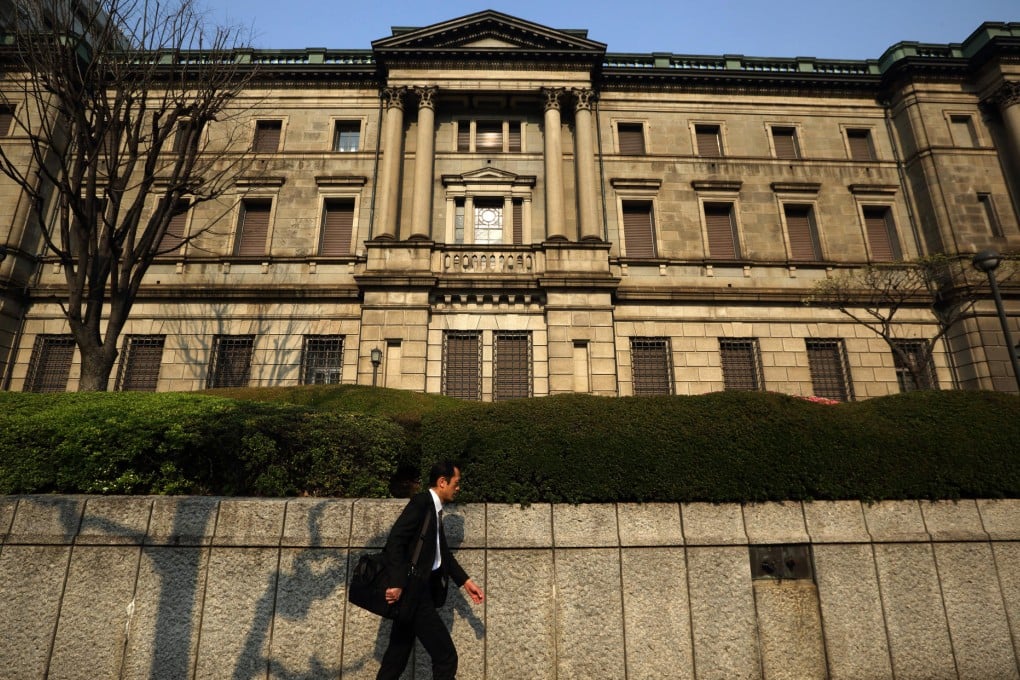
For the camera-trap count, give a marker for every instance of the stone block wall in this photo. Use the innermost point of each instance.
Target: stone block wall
(200, 587)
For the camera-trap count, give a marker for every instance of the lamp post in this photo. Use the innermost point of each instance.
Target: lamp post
(987, 261)
(376, 356)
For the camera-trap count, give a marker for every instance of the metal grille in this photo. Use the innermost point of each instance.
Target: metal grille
(651, 366)
(915, 353)
(50, 365)
(829, 369)
(741, 364)
(141, 358)
(230, 364)
(322, 360)
(462, 364)
(512, 359)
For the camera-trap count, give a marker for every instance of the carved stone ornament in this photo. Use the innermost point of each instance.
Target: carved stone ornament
(1008, 94)
(552, 97)
(426, 97)
(584, 98)
(394, 97)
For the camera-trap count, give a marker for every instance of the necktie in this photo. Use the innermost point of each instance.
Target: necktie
(439, 532)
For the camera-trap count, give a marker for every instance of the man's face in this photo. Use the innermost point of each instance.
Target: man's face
(448, 487)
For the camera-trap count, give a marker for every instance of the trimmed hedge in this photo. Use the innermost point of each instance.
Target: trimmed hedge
(189, 444)
(732, 447)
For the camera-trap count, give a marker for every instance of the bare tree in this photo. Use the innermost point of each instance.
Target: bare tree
(113, 100)
(874, 295)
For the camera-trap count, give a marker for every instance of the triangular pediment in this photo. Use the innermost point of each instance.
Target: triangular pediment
(485, 31)
(488, 175)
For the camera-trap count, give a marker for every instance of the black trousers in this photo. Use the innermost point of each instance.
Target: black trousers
(430, 629)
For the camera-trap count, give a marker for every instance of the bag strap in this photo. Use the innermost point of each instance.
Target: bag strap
(421, 540)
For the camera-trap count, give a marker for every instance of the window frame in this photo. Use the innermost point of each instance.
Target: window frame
(891, 232)
(127, 379)
(650, 380)
(990, 214)
(868, 136)
(216, 357)
(904, 378)
(243, 211)
(814, 235)
(257, 133)
(182, 210)
(832, 381)
(7, 114)
(713, 202)
(335, 143)
(635, 136)
(956, 119)
(324, 210)
(696, 135)
(45, 375)
(652, 237)
(513, 381)
(507, 134)
(447, 388)
(778, 130)
(754, 370)
(328, 353)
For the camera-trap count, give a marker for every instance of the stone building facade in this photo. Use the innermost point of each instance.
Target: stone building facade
(504, 209)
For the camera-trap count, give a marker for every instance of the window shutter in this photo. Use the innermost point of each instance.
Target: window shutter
(489, 135)
(861, 148)
(6, 121)
(139, 367)
(708, 140)
(722, 244)
(884, 246)
(803, 236)
(638, 230)
(463, 135)
(267, 136)
(632, 138)
(512, 359)
(515, 136)
(785, 141)
(174, 236)
(518, 221)
(337, 226)
(251, 239)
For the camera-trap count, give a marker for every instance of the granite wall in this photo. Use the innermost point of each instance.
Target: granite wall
(142, 587)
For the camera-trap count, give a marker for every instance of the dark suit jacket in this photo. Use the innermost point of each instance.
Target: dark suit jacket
(401, 543)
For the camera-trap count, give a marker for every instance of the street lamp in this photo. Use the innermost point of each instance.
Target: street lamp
(376, 355)
(987, 261)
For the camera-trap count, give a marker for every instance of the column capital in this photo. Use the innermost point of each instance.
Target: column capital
(426, 96)
(553, 95)
(584, 97)
(1008, 94)
(393, 97)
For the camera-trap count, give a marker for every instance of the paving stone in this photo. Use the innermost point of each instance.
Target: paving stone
(585, 525)
(115, 520)
(953, 521)
(183, 521)
(772, 523)
(836, 522)
(711, 524)
(46, 520)
(250, 522)
(511, 526)
(317, 523)
(895, 522)
(649, 524)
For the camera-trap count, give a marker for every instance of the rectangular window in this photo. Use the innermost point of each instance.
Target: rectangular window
(803, 233)
(518, 205)
(463, 135)
(638, 229)
(489, 135)
(784, 139)
(458, 221)
(991, 218)
(337, 226)
(173, 238)
(322, 359)
(829, 369)
(861, 147)
(462, 364)
(488, 220)
(651, 366)
(50, 365)
(709, 140)
(962, 129)
(346, 135)
(885, 247)
(514, 140)
(267, 136)
(741, 364)
(6, 120)
(230, 363)
(722, 232)
(186, 136)
(253, 228)
(632, 138)
(141, 359)
(913, 355)
(511, 365)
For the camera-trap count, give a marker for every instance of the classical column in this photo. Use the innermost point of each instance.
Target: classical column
(1008, 99)
(424, 160)
(555, 228)
(389, 180)
(584, 158)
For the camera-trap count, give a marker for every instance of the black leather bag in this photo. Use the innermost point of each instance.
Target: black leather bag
(366, 587)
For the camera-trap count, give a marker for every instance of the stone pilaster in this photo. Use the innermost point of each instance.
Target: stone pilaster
(1008, 99)
(555, 224)
(389, 181)
(584, 158)
(421, 207)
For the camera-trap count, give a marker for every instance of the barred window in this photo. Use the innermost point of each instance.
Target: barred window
(462, 364)
(741, 364)
(512, 363)
(230, 363)
(141, 358)
(50, 365)
(651, 366)
(914, 351)
(322, 360)
(830, 372)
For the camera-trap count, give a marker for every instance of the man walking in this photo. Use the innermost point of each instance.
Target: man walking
(435, 565)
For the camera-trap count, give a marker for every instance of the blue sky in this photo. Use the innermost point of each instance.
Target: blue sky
(852, 29)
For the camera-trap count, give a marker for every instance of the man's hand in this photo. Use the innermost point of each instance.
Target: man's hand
(473, 591)
(393, 594)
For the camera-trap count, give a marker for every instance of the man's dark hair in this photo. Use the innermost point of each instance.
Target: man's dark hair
(442, 468)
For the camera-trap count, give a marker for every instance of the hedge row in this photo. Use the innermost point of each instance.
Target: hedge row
(190, 444)
(733, 447)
